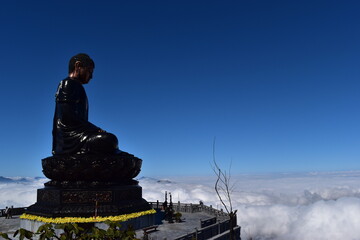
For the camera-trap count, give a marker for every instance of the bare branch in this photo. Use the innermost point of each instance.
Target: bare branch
(222, 184)
(223, 189)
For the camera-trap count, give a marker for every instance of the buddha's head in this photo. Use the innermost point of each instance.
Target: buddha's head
(81, 67)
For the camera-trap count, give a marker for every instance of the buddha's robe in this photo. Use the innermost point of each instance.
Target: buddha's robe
(72, 132)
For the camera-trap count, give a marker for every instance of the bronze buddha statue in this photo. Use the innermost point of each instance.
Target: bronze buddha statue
(72, 132)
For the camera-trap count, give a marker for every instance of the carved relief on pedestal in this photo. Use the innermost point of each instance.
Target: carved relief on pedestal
(86, 196)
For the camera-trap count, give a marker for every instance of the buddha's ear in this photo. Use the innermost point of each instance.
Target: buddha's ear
(77, 64)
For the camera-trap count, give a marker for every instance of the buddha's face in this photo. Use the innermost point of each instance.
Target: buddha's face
(82, 72)
(85, 74)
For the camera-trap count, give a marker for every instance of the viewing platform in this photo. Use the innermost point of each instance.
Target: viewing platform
(199, 221)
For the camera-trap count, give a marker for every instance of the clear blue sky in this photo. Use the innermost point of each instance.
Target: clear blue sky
(276, 82)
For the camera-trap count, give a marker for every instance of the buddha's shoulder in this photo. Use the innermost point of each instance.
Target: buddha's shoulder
(69, 89)
(70, 85)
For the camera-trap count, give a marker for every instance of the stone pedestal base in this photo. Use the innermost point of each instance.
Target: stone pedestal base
(88, 202)
(88, 186)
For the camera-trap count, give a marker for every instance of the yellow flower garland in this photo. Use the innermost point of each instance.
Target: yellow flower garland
(120, 218)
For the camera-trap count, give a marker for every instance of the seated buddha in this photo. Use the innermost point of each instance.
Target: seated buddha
(72, 131)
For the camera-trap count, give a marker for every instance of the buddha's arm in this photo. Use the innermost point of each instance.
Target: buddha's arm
(71, 117)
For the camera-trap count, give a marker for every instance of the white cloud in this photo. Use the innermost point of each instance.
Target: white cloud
(19, 192)
(284, 206)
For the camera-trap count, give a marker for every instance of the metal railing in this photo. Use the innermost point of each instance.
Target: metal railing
(217, 231)
(191, 208)
(216, 228)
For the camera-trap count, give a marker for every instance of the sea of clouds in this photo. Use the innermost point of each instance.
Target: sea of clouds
(272, 206)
